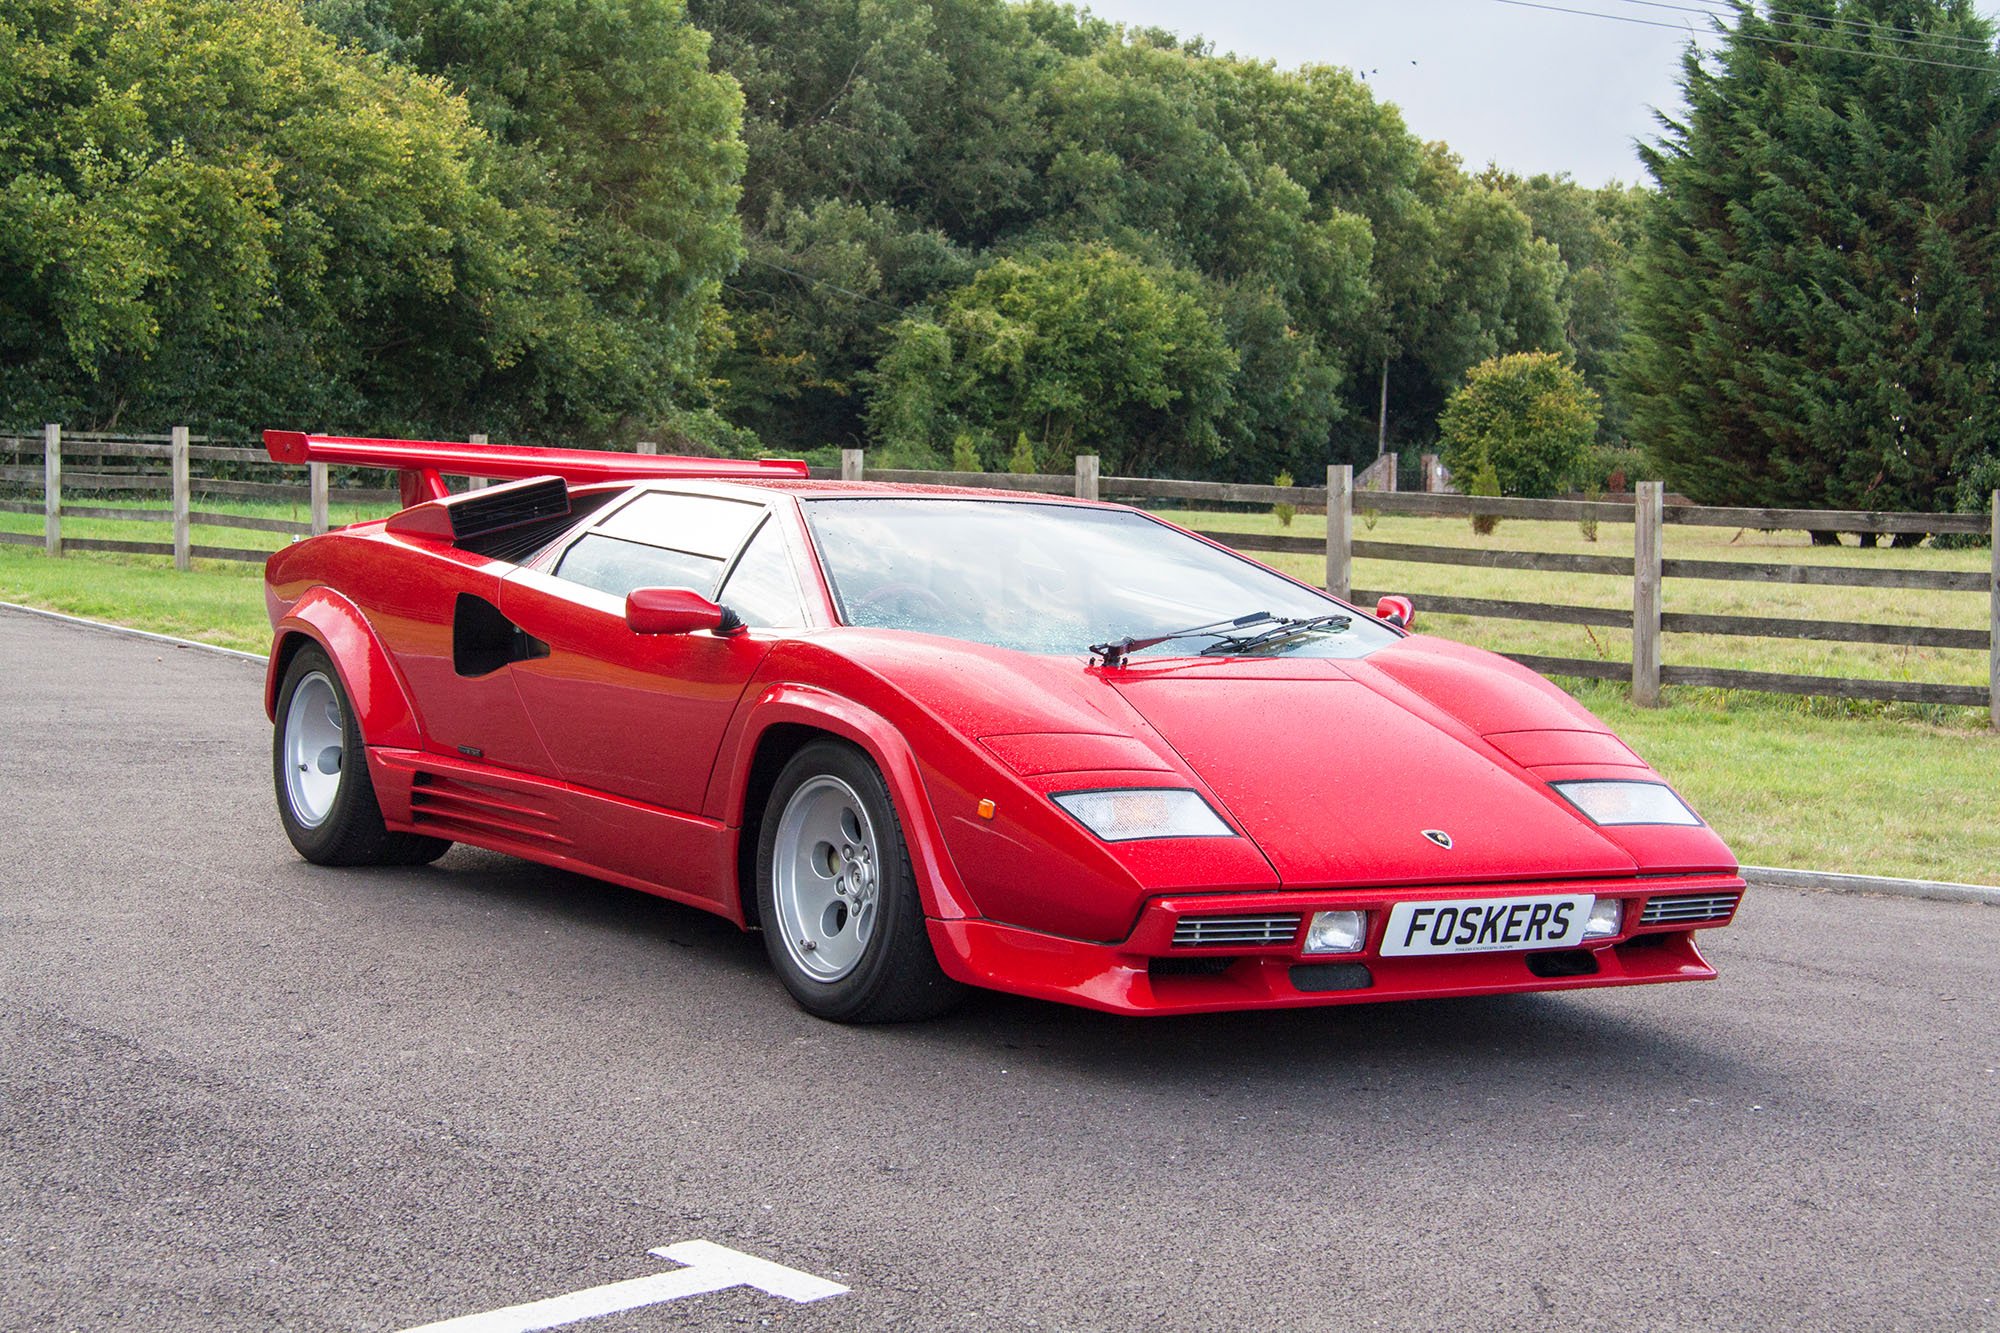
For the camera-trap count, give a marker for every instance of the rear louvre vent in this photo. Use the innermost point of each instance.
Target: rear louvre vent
(1688, 909)
(500, 507)
(1201, 932)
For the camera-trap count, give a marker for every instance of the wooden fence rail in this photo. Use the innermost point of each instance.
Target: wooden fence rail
(55, 474)
(1646, 511)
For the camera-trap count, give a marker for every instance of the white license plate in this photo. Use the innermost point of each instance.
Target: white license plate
(1487, 925)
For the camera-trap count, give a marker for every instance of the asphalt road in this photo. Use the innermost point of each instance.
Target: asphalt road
(240, 1092)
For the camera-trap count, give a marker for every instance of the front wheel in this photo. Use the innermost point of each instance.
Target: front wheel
(838, 901)
(320, 769)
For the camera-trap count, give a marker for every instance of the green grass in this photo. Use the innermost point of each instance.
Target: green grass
(1812, 783)
(219, 601)
(1856, 794)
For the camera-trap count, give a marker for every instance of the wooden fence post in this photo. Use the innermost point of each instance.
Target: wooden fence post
(178, 466)
(1993, 628)
(52, 488)
(1649, 515)
(1340, 529)
(850, 465)
(477, 483)
(1086, 476)
(316, 479)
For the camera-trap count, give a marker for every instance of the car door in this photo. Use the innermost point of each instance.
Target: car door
(636, 716)
(438, 617)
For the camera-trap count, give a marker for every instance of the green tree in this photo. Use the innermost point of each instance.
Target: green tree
(1816, 319)
(227, 217)
(1594, 231)
(894, 142)
(1528, 417)
(611, 127)
(210, 214)
(1080, 349)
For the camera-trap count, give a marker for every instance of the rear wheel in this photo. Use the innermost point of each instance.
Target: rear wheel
(320, 770)
(842, 920)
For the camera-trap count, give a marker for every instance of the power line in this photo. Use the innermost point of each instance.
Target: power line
(1809, 22)
(1747, 36)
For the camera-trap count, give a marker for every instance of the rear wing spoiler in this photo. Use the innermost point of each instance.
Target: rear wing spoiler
(421, 464)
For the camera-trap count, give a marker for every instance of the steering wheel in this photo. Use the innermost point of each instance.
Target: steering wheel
(902, 600)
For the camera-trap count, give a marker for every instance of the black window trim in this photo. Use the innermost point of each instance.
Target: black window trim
(609, 511)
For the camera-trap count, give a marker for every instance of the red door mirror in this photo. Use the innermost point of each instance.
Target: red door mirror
(1397, 611)
(676, 611)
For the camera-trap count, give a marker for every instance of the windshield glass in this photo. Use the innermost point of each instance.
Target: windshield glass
(1053, 578)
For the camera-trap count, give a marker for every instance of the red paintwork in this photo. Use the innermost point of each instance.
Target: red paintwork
(670, 611)
(630, 756)
(1398, 610)
(578, 466)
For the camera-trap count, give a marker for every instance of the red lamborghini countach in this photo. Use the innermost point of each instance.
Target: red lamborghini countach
(927, 738)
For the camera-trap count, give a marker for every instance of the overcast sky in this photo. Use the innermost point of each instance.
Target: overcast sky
(1528, 88)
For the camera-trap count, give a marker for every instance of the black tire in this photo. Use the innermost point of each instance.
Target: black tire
(885, 972)
(330, 812)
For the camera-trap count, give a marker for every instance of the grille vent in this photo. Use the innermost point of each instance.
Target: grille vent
(1688, 908)
(441, 805)
(500, 507)
(1201, 932)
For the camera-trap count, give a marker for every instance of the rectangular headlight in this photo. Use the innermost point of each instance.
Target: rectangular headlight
(1607, 918)
(1615, 803)
(1134, 813)
(1337, 932)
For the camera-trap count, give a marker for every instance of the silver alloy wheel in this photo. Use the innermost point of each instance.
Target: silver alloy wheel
(315, 744)
(825, 877)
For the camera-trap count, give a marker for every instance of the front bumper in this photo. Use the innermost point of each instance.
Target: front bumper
(1147, 973)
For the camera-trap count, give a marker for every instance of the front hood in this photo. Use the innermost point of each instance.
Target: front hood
(1336, 771)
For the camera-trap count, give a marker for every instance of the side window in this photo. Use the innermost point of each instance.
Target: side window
(617, 567)
(762, 589)
(661, 540)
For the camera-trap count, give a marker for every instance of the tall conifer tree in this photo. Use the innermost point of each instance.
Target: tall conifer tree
(1816, 318)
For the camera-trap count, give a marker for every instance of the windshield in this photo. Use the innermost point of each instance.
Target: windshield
(1047, 578)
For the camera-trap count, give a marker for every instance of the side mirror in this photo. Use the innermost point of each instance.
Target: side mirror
(1397, 611)
(676, 611)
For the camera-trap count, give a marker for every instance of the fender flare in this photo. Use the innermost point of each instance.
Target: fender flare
(380, 699)
(939, 885)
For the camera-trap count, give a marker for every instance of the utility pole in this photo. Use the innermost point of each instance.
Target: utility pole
(1382, 418)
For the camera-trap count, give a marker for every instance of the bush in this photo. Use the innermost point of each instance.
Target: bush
(1612, 469)
(965, 454)
(1022, 461)
(1529, 418)
(1285, 512)
(1485, 481)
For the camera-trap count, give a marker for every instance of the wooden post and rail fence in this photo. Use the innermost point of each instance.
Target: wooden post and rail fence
(117, 464)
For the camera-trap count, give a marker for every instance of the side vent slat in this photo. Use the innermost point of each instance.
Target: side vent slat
(443, 805)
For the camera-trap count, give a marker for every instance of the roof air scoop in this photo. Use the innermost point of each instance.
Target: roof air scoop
(456, 518)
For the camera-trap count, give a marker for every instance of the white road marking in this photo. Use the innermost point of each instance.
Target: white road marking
(710, 1267)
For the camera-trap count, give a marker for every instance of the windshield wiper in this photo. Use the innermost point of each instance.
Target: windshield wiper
(1284, 629)
(1115, 653)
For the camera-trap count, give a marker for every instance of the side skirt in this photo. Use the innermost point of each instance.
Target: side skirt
(683, 857)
